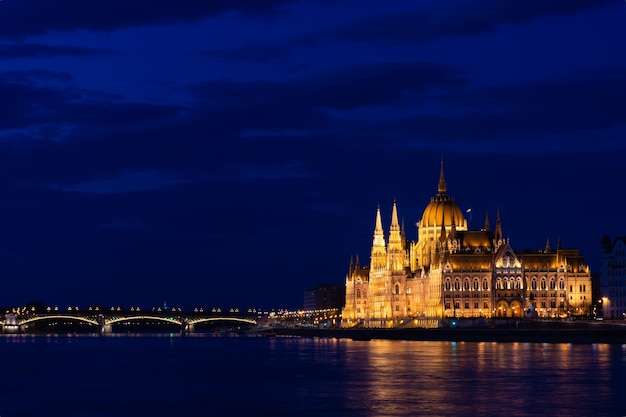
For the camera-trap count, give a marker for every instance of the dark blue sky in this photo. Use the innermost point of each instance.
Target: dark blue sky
(234, 153)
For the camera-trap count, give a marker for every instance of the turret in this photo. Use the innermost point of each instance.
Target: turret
(379, 253)
(395, 237)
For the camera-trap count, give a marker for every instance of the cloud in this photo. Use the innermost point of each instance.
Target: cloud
(445, 19)
(21, 18)
(38, 50)
(251, 53)
(343, 87)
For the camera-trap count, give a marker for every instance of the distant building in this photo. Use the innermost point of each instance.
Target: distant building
(325, 296)
(454, 272)
(613, 278)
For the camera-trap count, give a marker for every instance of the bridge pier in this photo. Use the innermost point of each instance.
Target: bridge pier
(104, 327)
(186, 327)
(10, 324)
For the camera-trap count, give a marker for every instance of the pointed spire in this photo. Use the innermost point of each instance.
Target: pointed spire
(547, 245)
(351, 270)
(379, 222)
(498, 227)
(441, 187)
(452, 234)
(487, 220)
(394, 217)
(395, 238)
(357, 264)
(379, 252)
(558, 243)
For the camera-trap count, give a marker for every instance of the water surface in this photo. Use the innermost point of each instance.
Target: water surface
(221, 375)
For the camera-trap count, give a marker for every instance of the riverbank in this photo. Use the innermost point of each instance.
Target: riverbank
(530, 332)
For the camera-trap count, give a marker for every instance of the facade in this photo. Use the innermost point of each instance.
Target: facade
(453, 272)
(325, 296)
(613, 278)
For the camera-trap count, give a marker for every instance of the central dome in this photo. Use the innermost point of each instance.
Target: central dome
(442, 208)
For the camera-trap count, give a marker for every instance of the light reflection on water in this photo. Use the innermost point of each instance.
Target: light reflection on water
(220, 375)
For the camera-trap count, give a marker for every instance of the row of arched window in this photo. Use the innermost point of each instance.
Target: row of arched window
(466, 304)
(545, 284)
(467, 286)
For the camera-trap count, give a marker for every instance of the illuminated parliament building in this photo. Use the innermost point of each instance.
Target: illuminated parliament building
(452, 272)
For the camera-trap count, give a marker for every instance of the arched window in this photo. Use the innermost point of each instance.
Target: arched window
(533, 284)
(485, 285)
(457, 285)
(448, 286)
(561, 284)
(467, 304)
(358, 293)
(397, 289)
(475, 304)
(466, 285)
(447, 306)
(476, 285)
(552, 284)
(543, 284)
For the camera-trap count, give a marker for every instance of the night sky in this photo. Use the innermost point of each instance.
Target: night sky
(233, 153)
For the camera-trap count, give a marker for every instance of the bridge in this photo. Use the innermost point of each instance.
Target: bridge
(103, 323)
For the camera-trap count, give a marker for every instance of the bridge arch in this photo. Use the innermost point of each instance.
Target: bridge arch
(57, 317)
(115, 320)
(210, 319)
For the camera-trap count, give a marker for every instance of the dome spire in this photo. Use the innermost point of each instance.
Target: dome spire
(441, 187)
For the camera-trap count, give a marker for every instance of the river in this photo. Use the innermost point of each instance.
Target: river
(229, 375)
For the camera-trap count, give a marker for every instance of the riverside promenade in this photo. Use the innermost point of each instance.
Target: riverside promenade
(528, 332)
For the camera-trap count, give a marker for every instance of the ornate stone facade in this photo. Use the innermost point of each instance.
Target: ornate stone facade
(453, 272)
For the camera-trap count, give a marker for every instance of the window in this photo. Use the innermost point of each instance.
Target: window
(475, 304)
(486, 305)
(457, 304)
(476, 286)
(397, 289)
(397, 307)
(457, 285)
(448, 286)
(358, 293)
(561, 285)
(467, 304)
(543, 284)
(466, 286)
(448, 306)
(485, 285)
(533, 284)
